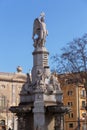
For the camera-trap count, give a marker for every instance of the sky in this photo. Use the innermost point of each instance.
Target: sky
(65, 20)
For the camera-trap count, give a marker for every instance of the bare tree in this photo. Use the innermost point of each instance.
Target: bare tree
(73, 59)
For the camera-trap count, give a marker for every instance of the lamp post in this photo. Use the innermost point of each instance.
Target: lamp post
(7, 112)
(86, 109)
(86, 100)
(78, 111)
(78, 123)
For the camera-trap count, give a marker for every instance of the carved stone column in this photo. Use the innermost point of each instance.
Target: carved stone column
(39, 112)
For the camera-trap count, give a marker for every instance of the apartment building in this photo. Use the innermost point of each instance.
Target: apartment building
(74, 95)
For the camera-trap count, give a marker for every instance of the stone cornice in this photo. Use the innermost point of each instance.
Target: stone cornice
(40, 52)
(13, 77)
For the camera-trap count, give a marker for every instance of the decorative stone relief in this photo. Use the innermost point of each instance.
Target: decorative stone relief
(43, 83)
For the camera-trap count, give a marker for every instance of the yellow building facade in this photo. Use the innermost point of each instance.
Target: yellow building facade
(74, 95)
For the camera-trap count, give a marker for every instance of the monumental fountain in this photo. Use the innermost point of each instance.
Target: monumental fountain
(41, 98)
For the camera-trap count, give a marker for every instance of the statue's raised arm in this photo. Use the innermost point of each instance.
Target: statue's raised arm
(39, 31)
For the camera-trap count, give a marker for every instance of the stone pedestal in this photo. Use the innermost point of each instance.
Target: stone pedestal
(39, 110)
(39, 116)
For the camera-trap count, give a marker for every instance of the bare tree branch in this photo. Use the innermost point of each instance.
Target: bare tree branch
(73, 59)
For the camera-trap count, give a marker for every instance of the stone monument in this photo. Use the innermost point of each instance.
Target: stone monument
(41, 106)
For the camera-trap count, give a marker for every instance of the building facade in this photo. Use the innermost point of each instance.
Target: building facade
(10, 86)
(74, 95)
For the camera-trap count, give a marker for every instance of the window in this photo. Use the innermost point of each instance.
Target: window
(71, 125)
(83, 104)
(2, 101)
(70, 103)
(83, 93)
(70, 115)
(70, 93)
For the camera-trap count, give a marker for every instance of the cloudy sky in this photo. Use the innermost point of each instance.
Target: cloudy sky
(65, 20)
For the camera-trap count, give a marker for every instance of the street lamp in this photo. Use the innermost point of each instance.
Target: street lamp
(7, 106)
(86, 111)
(86, 102)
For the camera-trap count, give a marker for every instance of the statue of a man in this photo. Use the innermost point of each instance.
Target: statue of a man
(39, 31)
